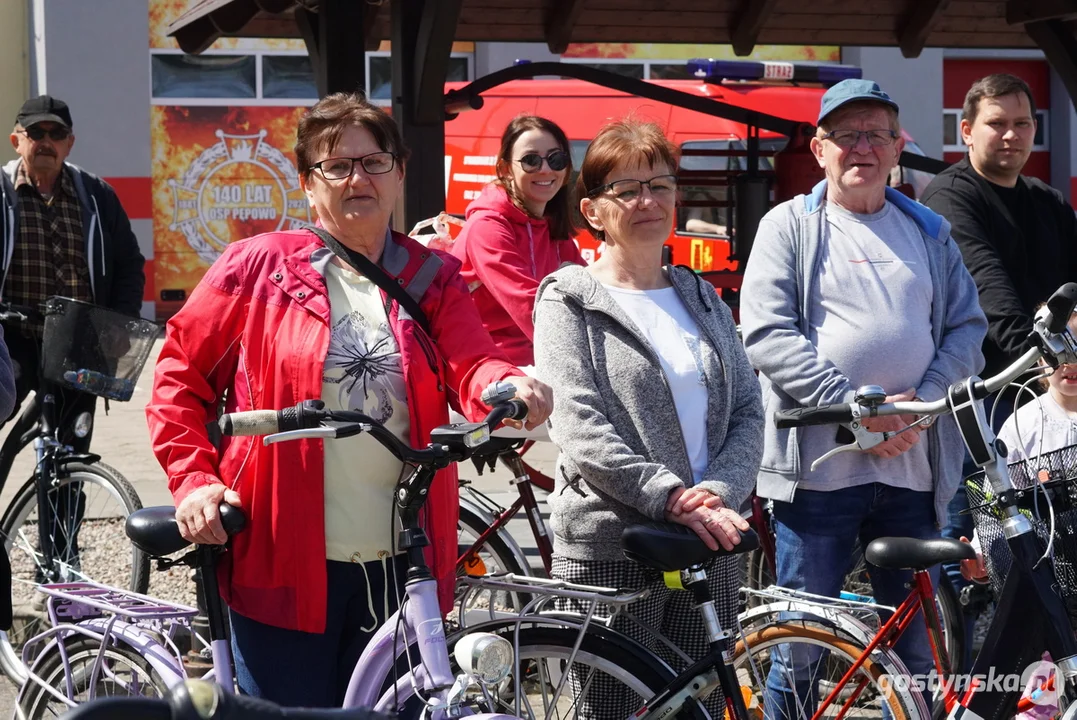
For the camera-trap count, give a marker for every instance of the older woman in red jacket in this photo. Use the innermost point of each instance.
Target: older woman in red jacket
(280, 318)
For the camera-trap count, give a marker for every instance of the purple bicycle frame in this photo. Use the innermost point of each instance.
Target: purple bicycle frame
(421, 623)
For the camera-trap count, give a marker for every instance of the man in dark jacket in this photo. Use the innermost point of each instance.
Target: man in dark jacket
(1017, 235)
(62, 232)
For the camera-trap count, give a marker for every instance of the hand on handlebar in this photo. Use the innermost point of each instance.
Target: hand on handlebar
(892, 423)
(537, 396)
(199, 517)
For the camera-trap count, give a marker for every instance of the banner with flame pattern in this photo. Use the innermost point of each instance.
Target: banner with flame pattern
(219, 174)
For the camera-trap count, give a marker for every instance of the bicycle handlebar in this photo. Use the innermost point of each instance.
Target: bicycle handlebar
(1051, 342)
(206, 701)
(308, 418)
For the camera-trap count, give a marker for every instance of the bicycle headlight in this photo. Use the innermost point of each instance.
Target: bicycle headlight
(477, 437)
(485, 657)
(83, 425)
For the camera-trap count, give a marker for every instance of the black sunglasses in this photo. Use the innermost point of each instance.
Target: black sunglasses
(57, 133)
(556, 159)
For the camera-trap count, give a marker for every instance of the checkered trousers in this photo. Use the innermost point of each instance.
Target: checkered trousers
(671, 612)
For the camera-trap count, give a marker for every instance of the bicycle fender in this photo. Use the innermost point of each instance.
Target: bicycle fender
(84, 459)
(160, 658)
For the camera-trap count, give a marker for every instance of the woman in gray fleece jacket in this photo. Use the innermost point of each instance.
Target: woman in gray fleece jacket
(657, 412)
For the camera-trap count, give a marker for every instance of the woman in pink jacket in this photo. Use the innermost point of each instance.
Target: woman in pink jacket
(518, 231)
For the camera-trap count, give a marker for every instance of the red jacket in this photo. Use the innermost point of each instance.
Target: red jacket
(257, 326)
(505, 254)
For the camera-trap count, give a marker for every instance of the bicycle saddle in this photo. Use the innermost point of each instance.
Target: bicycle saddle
(899, 553)
(154, 531)
(668, 546)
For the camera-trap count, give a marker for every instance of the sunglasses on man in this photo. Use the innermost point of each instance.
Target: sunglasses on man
(532, 162)
(58, 133)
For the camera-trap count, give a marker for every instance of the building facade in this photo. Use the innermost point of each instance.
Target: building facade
(199, 147)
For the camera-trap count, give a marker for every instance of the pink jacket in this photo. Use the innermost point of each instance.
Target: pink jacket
(505, 254)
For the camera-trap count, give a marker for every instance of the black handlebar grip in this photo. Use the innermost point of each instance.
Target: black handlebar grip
(1061, 306)
(822, 415)
(126, 708)
(250, 422)
(232, 518)
(519, 409)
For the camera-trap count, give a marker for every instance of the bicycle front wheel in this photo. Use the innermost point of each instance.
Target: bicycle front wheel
(608, 677)
(88, 507)
(791, 667)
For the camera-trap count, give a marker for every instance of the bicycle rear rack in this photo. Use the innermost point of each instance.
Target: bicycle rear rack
(72, 602)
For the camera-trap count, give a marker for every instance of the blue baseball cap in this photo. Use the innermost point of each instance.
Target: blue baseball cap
(848, 91)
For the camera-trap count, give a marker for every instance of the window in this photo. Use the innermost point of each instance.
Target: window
(379, 75)
(669, 71)
(704, 203)
(288, 76)
(203, 76)
(632, 70)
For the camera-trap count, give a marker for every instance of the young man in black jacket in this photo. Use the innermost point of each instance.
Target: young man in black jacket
(1017, 235)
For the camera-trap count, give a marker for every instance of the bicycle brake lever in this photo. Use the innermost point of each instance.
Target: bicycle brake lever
(864, 440)
(318, 433)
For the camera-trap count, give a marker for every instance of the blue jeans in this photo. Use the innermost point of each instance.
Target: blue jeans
(815, 535)
(301, 669)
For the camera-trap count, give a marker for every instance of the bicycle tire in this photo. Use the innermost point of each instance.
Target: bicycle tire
(23, 505)
(603, 649)
(763, 639)
(469, 529)
(82, 653)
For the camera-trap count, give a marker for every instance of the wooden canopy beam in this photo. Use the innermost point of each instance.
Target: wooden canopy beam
(1060, 48)
(560, 20)
(1022, 12)
(749, 23)
(922, 20)
(338, 61)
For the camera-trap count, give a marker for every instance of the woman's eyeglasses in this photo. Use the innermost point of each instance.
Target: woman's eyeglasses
(377, 163)
(556, 159)
(661, 187)
(58, 133)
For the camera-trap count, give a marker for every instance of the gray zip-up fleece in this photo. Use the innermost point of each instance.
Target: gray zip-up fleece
(622, 450)
(774, 320)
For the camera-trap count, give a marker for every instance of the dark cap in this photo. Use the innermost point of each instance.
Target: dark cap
(44, 108)
(848, 91)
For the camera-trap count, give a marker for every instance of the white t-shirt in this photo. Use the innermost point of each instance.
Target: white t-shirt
(362, 372)
(1038, 427)
(673, 334)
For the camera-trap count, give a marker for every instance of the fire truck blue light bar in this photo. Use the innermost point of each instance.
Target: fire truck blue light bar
(717, 70)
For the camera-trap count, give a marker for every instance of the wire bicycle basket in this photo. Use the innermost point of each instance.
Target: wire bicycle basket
(93, 349)
(1054, 474)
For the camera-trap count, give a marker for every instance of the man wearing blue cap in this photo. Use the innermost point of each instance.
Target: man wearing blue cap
(855, 284)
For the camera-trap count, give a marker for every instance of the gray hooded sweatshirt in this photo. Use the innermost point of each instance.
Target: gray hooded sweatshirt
(614, 419)
(774, 318)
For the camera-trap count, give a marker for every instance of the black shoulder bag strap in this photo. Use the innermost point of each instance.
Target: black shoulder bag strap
(376, 275)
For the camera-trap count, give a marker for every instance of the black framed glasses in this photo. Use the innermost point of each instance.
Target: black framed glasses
(849, 138)
(58, 133)
(662, 186)
(556, 159)
(377, 163)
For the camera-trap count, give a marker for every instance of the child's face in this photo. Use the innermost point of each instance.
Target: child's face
(1064, 379)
